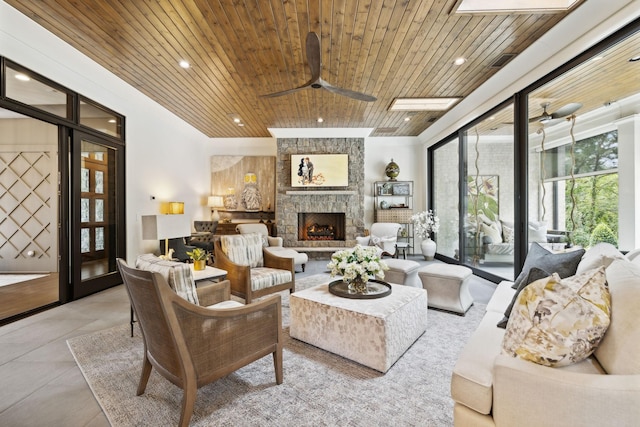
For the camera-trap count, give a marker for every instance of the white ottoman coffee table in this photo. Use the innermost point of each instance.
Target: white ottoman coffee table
(373, 332)
(448, 286)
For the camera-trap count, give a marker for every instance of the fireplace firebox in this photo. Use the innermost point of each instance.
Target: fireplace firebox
(314, 226)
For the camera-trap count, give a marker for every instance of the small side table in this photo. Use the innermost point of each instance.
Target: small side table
(209, 273)
(402, 246)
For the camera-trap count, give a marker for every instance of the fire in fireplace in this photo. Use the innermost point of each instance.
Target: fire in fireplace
(321, 226)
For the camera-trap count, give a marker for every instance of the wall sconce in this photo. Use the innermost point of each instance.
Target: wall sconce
(176, 208)
(215, 202)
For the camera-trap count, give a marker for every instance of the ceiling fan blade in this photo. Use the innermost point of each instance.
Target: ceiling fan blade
(313, 55)
(346, 92)
(567, 110)
(284, 92)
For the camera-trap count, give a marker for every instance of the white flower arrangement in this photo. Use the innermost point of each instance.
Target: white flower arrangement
(425, 223)
(361, 262)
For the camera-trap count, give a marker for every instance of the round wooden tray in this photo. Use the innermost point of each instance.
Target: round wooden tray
(375, 289)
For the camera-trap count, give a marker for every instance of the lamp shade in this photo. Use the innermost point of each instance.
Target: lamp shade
(215, 202)
(159, 227)
(176, 208)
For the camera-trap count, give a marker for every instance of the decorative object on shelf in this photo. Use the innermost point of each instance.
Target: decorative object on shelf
(424, 224)
(215, 202)
(230, 201)
(401, 189)
(251, 197)
(392, 170)
(357, 267)
(384, 204)
(199, 257)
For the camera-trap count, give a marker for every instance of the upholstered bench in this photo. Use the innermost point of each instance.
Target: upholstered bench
(447, 286)
(402, 272)
(372, 332)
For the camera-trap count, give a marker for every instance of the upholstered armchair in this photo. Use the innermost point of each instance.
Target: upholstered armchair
(274, 244)
(384, 236)
(192, 346)
(205, 231)
(252, 270)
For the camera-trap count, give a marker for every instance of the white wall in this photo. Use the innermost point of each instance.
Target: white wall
(164, 154)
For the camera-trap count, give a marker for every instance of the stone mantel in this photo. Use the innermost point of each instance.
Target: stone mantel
(291, 201)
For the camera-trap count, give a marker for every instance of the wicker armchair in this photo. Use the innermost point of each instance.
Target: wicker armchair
(253, 271)
(180, 338)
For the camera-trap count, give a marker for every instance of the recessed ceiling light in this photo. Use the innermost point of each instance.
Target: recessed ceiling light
(635, 59)
(406, 119)
(22, 77)
(597, 58)
(185, 64)
(459, 61)
(320, 120)
(521, 6)
(422, 104)
(111, 120)
(236, 120)
(240, 124)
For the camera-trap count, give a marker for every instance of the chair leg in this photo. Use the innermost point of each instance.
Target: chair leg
(144, 377)
(188, 402)
(277, 365)
(303, 266)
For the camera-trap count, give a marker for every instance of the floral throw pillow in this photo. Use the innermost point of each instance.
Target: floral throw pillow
(557, 322)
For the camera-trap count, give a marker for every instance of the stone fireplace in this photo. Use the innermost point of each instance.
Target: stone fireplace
(346, 202)
(313, 226)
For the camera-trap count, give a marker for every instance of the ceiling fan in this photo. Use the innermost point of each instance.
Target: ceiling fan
(551, 118)
(316, 82)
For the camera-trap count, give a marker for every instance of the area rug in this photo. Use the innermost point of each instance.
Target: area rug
(319, 389)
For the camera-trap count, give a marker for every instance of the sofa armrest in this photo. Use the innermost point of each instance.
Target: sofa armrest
(274, 261)
(527, 394)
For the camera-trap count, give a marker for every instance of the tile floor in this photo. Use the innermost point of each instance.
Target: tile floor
(40, 383)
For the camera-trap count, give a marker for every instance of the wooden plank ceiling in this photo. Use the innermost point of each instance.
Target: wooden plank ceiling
(241, 49)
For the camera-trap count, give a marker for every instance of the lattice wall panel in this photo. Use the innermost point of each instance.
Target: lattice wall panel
(28, 211)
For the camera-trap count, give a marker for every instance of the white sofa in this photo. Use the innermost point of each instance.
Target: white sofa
(493, 389)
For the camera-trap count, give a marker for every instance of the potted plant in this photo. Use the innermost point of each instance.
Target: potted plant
(199, 257)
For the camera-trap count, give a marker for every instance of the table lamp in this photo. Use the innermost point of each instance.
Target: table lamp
(215, 202)
(158, 227)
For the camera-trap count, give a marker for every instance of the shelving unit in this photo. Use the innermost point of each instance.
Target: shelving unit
(393, 202)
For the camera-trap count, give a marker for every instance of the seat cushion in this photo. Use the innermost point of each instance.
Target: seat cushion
(177, 274)
(472, 379)
(265, 277)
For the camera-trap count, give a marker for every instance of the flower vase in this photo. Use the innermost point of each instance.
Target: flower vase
(428, 247)
(358, 286)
